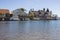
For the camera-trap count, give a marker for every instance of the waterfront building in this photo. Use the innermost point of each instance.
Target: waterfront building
(19, 14)
(54, 16)
(5, 14)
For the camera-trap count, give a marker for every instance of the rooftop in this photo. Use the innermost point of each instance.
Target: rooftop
(4, 11)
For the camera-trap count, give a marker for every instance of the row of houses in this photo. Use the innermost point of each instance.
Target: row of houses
(20, 14)
(44, 14)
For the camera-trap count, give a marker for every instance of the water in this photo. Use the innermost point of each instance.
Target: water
(30, 30)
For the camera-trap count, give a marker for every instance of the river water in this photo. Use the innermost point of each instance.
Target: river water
(30, 30)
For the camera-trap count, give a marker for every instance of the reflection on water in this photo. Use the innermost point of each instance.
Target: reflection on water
(30, 30)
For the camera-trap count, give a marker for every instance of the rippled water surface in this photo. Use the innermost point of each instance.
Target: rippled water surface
(30, 30)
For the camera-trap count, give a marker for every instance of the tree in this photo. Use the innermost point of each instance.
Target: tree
(43, 9)
(22, 9)
(47, 10)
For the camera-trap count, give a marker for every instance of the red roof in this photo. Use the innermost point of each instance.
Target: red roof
(4, 11)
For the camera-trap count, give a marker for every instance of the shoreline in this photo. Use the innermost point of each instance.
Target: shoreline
(30, 20)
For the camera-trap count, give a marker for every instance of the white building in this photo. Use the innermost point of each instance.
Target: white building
(16, 13)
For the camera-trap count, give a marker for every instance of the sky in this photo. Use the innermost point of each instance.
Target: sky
(53, 5)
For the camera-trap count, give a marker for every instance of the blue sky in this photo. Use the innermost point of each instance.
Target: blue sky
(53, 5)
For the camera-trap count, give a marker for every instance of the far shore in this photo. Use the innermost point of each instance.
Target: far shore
(27, 20)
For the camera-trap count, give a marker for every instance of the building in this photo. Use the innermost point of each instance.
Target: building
(19, 14)
(5, 14)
